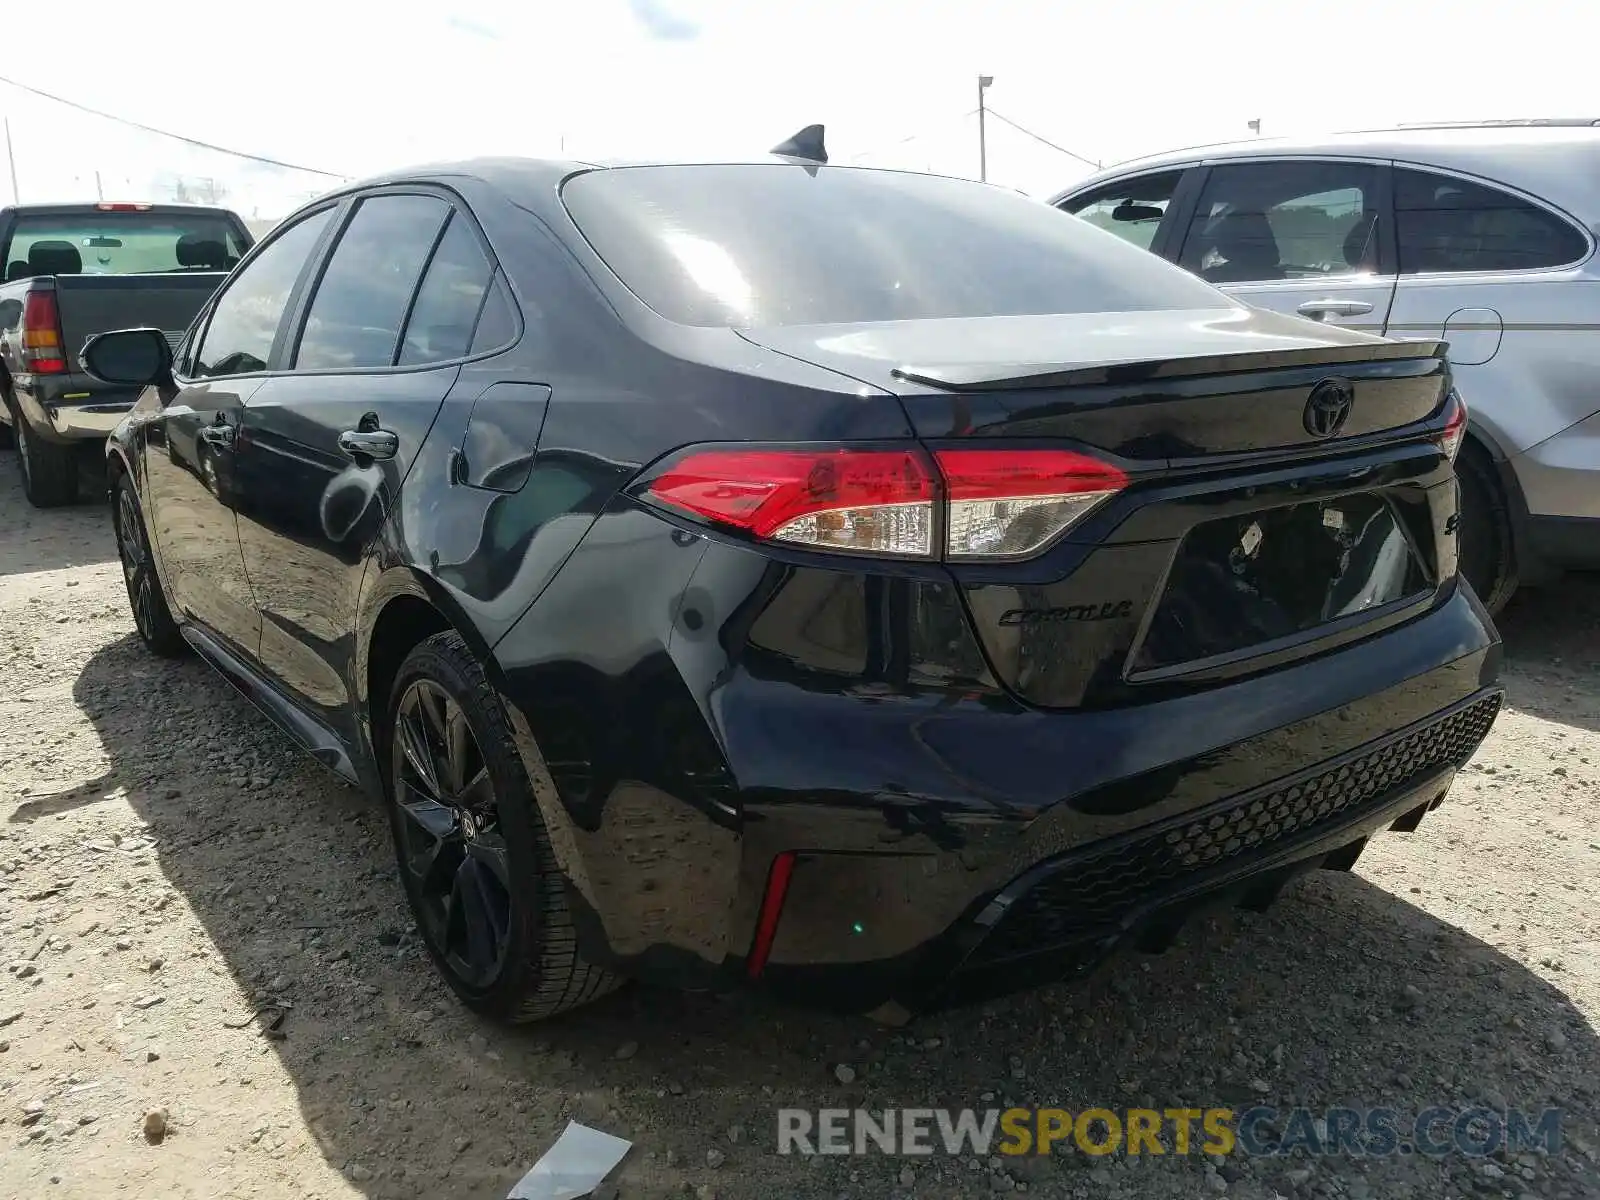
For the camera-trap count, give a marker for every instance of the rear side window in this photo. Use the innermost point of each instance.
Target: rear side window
(1447, 224)
(446, 309)
(754, 245)
(496, 324)
(1131, 209)
(362, 298)
(1291, 219)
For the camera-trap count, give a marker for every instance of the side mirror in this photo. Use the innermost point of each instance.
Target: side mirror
(133, 357)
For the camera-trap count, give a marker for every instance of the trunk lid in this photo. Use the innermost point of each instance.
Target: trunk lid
(1286, 490)
(1149, 386)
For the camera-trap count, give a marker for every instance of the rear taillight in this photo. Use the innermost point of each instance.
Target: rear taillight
(41, 335)
(872, 501)
(1008, 503)
(990, 503)
(1455, 426)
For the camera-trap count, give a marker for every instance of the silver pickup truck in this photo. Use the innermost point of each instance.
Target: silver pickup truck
(74, 270)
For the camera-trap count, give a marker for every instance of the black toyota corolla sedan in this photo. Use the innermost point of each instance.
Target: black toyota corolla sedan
(866, 585)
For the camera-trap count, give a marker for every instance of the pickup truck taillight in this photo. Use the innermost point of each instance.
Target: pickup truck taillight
(41, 335)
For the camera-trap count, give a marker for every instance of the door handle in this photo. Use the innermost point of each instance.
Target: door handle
(369, 443)
(1318, 309)
(217, 435)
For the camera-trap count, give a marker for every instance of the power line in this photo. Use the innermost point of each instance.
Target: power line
(914, 137)
(1044, 141)
(177, 137)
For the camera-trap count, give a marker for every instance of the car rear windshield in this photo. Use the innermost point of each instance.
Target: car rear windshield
(120, 243)
(755, 245)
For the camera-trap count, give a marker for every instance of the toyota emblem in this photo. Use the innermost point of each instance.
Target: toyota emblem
(1328, 408)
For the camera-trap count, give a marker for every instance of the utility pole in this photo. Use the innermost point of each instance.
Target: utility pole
(983, 148)
(99, 192)
(1255, 126)
(11, 157)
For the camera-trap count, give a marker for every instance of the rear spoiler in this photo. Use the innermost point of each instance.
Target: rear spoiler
(1003, 377)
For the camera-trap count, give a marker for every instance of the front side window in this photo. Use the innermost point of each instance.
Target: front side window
(245, 319)
(1261, 221)
(1131, 209)
(762, 245)
(1448, 224)
(361, 301)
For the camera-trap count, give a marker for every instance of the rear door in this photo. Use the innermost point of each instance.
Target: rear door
(1305, 237)
(382, 335)
(1501, 278)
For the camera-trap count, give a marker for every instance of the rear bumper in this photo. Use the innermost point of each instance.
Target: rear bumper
(930, 827)
(1072, 912)
(72, 408)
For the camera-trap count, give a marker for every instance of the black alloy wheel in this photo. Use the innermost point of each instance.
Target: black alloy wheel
(151, 616)
(452, 843)
(475, 858)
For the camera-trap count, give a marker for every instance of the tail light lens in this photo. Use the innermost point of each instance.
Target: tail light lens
(993, 504)
(41, 334)
(1455, 426)
(871, 501)
(1008, 503)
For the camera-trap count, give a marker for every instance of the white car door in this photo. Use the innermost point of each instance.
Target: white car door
(1502, 279)
(1297, 235)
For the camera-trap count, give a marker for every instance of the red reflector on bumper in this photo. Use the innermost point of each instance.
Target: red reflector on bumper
(771, 911)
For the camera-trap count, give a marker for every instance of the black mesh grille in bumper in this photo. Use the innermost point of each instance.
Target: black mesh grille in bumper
(1083, 897)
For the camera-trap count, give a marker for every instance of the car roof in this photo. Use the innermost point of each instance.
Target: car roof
(1555, 162)
(525, 180)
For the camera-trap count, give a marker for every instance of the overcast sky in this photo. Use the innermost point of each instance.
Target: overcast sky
(356, 88)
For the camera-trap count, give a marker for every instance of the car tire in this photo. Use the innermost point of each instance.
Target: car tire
(473, 852)
(49, 470)
(1487, 553)
(148, 601)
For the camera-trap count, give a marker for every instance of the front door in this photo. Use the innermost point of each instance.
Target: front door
(1306, 237)
(329, 441)
(191, 450)
(188, 453)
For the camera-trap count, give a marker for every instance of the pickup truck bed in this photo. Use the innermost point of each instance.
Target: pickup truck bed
(69, 278)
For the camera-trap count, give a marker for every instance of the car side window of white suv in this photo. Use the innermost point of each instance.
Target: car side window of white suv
(1447, 224)
(1283, 220)
(1131, 208)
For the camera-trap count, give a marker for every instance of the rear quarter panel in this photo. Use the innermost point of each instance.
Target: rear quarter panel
(1523, 348)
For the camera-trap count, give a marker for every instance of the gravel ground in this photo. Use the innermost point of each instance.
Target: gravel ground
(167, 863)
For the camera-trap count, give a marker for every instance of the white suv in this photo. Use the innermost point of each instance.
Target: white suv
(1482, 235)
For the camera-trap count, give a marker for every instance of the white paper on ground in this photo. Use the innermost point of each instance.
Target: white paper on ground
(573, 1167)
